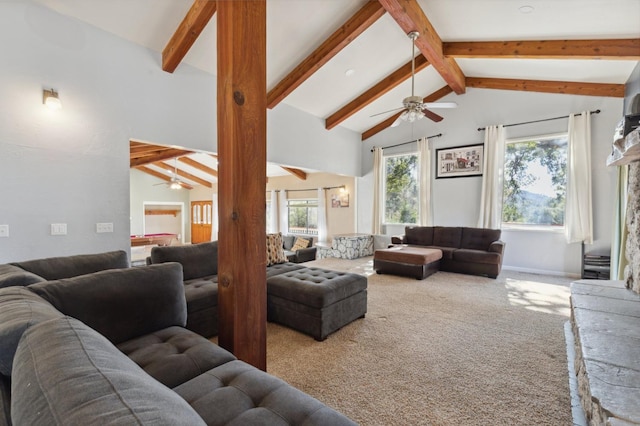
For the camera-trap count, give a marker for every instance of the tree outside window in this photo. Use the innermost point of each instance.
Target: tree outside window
(303, 217)
(401, 189)
(535, 181)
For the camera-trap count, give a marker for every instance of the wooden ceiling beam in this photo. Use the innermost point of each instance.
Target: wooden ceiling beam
(547, 86)
(196, 165)
(160, 176)
(625, 49)
(410, 17)
(160, 156)
(433, 97)
(383, 86)
(344, 35)
(182, 173)
(300, 174)
(188, 31)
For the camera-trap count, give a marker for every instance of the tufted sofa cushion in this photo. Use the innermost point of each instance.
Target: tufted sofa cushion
(11, 275)
(197, 260)
(55, 268)
(175, 355)
(121, 303)
(419, 235)
(447, 236)
(479, 238)
(237, 393)
(20, 309)
(281, 268)
(65, 373)
(201, 293)
(315, 287)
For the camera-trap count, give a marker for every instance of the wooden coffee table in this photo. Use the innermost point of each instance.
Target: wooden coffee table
(408, 261)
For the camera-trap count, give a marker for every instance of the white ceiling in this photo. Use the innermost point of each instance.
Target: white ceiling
(296, 27)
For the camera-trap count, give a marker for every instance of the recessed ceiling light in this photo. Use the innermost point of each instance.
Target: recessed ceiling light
(349, 72)
(526, 9)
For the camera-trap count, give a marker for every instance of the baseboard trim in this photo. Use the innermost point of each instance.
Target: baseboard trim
(541, 271)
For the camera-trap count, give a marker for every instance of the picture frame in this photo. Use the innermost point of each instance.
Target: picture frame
(459, 161)
(340, 200)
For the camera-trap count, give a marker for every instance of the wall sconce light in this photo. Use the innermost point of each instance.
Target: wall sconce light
(50, 99)
(343, 189)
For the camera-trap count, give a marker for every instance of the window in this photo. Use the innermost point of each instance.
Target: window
(401, 189)
(535, 181)
(303, 217)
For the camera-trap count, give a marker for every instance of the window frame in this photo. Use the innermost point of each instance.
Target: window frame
(384, 188)
(313, 205)
(508, 226)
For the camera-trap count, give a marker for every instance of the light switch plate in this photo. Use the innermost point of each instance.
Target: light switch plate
(104, 227)
(4, 231)
(58, 229)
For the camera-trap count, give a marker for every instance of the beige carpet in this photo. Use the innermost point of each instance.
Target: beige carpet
(449, 350)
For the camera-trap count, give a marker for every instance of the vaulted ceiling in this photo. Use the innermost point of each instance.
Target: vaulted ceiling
(346, 61)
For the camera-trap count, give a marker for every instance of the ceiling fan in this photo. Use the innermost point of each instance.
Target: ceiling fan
(414, 108)
(174, 182)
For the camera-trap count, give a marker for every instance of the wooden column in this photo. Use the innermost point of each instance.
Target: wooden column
(242, 156)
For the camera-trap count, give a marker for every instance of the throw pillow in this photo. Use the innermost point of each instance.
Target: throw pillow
(300, 243)
(275, 251)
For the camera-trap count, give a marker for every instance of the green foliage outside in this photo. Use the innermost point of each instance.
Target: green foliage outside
(401, 189)
(521, 203)
(303, 216)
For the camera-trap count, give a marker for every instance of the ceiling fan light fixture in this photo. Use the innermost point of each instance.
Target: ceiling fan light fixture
(175, 185)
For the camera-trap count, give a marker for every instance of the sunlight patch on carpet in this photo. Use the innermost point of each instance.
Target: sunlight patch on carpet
(539, 297)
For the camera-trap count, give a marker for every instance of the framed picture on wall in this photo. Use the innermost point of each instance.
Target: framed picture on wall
(340, 200)
(460, 161)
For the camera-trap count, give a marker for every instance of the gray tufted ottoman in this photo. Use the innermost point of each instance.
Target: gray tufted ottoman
(316, 301)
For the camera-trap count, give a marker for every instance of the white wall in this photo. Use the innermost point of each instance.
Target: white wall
(71, 166)
(456, 201)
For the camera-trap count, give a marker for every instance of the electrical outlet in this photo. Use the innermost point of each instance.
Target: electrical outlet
(58, 229)
(104, 227)
(4, 231)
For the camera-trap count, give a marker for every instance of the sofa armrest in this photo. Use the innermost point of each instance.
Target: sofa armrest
(306, 255)
(497, 247)
(397, 239)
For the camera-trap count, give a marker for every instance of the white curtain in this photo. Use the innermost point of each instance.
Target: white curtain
(578, 224)
(322, 215)
(492, 170)
(377, 191)
(619, 234)
(424, 172)
(272, 226)
(214, 217)
(283, 212)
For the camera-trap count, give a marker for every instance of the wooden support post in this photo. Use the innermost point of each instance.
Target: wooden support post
(242, 156)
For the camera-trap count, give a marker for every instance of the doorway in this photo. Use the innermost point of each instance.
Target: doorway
(201, 220)
(161, 217)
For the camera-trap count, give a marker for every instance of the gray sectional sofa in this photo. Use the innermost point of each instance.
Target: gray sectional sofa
(302, 255)
(475, 251)
(110, 347)
(314, 301)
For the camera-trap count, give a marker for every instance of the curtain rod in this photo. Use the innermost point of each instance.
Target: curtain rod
(311, 189)
(405, 143)
(538, 121)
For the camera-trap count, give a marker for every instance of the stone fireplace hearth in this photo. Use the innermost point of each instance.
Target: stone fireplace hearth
(605, 319)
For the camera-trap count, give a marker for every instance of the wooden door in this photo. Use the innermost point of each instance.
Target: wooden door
(201, 218)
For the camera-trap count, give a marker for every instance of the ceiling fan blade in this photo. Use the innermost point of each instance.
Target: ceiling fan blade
(439, 105)
(431, 115)
(386, 112)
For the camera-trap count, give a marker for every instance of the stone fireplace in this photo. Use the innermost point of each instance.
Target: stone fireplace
(632, 271)
(605, 319)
